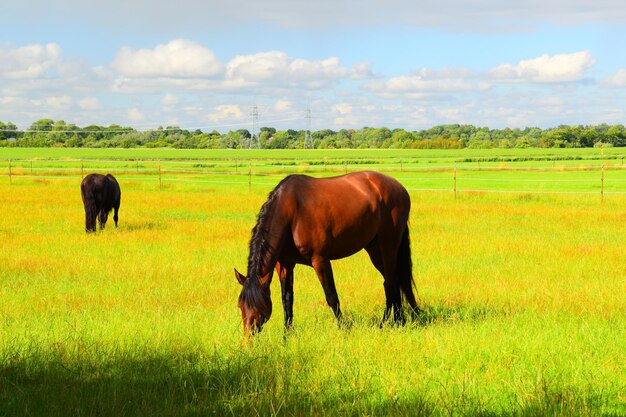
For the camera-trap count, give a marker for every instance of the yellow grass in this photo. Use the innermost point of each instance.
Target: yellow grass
(524, 297)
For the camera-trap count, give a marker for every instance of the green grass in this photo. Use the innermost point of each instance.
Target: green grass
(393, 157)
(524, 299)
(493, 170)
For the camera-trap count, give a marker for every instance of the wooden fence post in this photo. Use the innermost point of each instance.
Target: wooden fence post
(455, 181)
(160, 179)
(602, 183)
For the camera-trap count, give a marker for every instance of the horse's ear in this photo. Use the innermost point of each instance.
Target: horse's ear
(266, 279)
(240, 277)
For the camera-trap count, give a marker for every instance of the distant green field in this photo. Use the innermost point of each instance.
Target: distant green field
(596, 171)
(523, 290)
(421, 155)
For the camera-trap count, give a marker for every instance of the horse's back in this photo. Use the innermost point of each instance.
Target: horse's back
(356, 190)
(340, 215)
(388, 188)
(103, 189)
(114, 189)
(392, 199)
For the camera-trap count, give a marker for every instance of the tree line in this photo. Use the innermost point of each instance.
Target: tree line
(50, 133)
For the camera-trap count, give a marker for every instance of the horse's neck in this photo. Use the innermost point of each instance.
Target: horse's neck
(271, 244)
(275, 240)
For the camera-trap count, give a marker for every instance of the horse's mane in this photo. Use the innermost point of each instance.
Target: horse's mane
(259, 248)
(259, 245)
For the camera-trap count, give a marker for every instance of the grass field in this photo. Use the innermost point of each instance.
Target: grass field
(523, 292)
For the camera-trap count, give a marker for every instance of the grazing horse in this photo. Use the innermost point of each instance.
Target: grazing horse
(101, 194)
(311, 221)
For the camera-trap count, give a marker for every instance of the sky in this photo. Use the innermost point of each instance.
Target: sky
(324, 64)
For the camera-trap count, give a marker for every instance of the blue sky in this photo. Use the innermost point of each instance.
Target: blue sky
(398, 63)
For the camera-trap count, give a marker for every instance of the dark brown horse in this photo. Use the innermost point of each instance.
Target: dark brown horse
(311, 221)
(101, 194)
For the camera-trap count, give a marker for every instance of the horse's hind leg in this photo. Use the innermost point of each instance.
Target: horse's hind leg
(91, 211)
(103, 216)
(374, 252)
(90, 220)
(115, 210)
(385, 264)
(324, 272)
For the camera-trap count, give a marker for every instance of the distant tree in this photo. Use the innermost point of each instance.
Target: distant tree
(244, 133)
(47, 132)
(42, 125)
(270, 130)
(8, 130)
(615, 135)
(400, 138)
(280, 140)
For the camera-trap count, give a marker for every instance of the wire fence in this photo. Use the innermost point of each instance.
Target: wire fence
(602, 178)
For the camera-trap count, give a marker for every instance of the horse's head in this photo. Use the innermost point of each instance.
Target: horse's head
(255, 303)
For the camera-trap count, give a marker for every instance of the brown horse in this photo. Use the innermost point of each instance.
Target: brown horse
(101, 194)
(311, 221)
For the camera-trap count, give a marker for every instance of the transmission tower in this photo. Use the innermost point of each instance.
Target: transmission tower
(254, 139)
(308, 141)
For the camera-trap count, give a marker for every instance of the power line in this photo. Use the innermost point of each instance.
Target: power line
(104, 129)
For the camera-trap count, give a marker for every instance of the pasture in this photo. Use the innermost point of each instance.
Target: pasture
(523, 290)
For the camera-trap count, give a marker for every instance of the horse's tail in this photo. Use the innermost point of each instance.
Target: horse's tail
(405, 273)
(91, 212)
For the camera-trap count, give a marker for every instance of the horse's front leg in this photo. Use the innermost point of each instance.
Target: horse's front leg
(324, 272)
(285, 274)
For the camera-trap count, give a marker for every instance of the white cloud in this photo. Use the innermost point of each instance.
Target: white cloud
(152, 71)
(361, 71)
(173, 121)
(546, 68)
(189, 15)
(469, 16)
(283, 105)
(179, 58)
(60, 102)
(28, 62)
(169, 100)
(7, 100)
(426, 83)
(90, 103)
(342, 108)
(135, 115)
(616, 80)
(368, 108)
(418, 118)
(190, 83)
(276, 68)
(226, 112)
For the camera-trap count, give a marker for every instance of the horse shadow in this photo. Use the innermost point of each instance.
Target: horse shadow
(141, 226)
(446, 314)
(431, 315)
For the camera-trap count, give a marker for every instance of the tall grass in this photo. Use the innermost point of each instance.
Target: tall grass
(523, 297)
